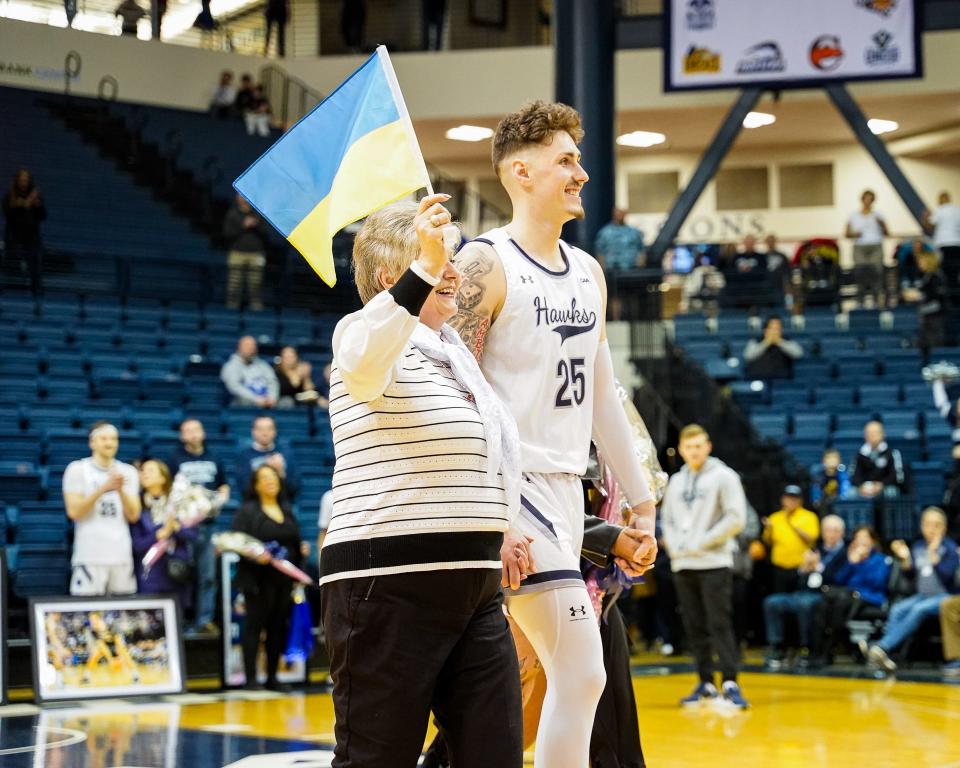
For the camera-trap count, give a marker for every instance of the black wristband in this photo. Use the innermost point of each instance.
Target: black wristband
(411, 292)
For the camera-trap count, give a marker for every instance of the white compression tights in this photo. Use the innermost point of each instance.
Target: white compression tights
(562, 628)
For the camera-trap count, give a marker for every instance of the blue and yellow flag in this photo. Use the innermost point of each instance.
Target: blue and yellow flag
(353, 153)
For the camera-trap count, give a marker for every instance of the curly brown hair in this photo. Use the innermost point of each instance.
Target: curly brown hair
(534, 123)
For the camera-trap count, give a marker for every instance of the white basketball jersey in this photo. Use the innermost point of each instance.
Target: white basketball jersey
(539, 354)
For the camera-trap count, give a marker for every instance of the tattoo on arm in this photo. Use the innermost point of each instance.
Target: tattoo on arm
(473, 318)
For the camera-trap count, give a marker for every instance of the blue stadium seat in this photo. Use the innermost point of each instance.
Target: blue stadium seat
(899, 518)
(929, 481)
(20, 447)
(835, 396)
(812, 426)
(19, 482)
(772, 425)
(855, 512)
(882, 396)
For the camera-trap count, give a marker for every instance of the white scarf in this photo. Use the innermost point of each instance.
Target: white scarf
(499, 428)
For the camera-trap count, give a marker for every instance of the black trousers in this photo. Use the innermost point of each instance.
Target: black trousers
(404, 644)
(615, 740)
(706, 604)
(267, 609)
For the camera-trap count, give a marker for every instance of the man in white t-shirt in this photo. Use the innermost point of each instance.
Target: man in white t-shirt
(944, 221)
(102, 497)
(867, 228)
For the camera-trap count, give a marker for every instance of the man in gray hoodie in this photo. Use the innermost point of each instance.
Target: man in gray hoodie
(703, 510)
(248, 378)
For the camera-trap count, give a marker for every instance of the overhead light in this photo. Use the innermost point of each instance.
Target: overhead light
(882, 126)
(469, 133)
(641, 139)
(758, 119)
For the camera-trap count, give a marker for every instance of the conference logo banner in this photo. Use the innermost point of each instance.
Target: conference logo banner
(713, 44)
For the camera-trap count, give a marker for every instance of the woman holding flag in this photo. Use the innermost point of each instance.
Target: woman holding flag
(425, 485)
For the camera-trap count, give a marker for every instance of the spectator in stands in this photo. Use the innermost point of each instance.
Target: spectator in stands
(295, 378)
(201, 467)
(878, 468)
(777, 261)
(277, 12)
(224, 96)
(908, 262)
(703, 286)
(830, 483)
(245, 96)
(778, 265)
(619, 246)
(932, 302)
(264, 449)
(246, 236)
(257, 118)
(249, 378)
(205, 20)
(102, 497)
(771, 356)
(860, 584)
(23, 210)
(868, 228)
(173, 572)
(130, 13)
(932, 561)
(749, 259)
(818, 567)
(789, 533)
(703, 510)
(950, 631)
(944, 222)
(266, 515)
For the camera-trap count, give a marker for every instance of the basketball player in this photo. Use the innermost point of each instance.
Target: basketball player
(109, 646)
(102, 497)
(532, 310)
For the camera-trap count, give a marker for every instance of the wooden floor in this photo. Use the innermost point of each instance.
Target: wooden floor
(793, 722)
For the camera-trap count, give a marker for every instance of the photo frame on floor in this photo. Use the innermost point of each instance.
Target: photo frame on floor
(232, 603)
(100, 647)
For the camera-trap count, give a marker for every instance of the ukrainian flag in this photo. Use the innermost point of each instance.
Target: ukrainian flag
(353, 153)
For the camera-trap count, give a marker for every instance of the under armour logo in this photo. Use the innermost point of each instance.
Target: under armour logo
(526, 279)
(581, 611)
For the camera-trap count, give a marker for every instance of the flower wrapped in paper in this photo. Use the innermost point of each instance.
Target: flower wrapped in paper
(252, 548)
(190, 505)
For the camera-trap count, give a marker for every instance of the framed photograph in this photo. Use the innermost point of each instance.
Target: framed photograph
(233, 612)
(3, 626)
(98, 647)
(489, 13)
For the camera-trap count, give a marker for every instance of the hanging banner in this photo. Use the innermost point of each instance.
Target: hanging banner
(788, 43)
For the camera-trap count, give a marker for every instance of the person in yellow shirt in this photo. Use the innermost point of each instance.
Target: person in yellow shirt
(789, 534)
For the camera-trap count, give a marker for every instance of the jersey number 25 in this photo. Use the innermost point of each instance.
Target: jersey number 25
(572, 382)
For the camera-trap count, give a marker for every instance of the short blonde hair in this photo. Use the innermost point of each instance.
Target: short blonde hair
(692, 430)
(386, 244)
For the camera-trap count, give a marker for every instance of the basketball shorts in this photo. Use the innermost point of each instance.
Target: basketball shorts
(88, 580)
(551, 513)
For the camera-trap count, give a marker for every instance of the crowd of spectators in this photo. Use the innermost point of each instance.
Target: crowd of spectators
(247, 103)
(825, 598)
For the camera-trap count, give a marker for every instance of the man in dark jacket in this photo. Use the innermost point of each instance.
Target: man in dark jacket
(819, 567)
(878, 468)
(23, 210)
(246, 236)
(772, 355)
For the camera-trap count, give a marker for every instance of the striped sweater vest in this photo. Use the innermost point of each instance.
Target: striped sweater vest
(410, 488)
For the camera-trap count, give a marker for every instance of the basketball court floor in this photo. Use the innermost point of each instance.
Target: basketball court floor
(794, 722)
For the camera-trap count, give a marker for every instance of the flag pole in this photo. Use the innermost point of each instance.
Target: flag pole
(391, 75)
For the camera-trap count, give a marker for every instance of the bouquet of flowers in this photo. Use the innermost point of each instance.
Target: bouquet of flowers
(190, 504)
(251, 548)
(943, 370)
